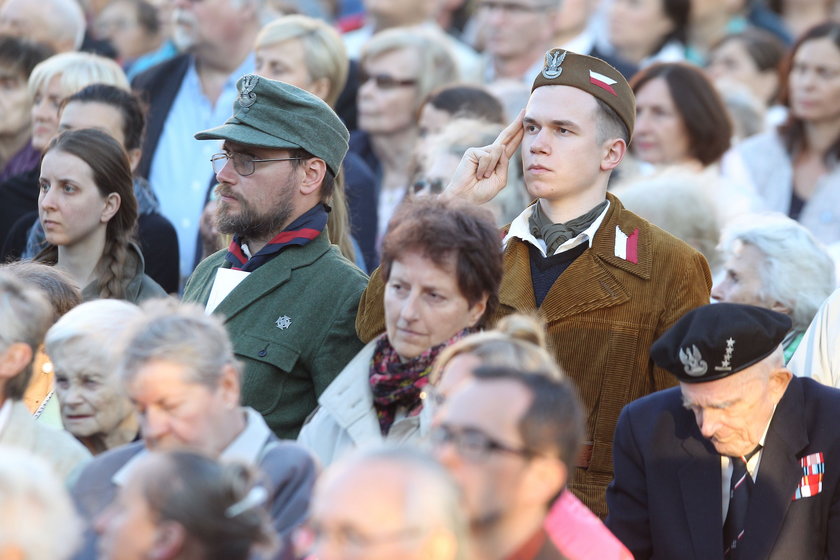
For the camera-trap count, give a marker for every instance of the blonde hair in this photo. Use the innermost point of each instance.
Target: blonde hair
(437, 66)
(518, 341)
(324, 52)
(76, 70)
(338, 220)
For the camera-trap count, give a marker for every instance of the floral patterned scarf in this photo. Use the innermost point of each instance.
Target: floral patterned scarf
(397, 383)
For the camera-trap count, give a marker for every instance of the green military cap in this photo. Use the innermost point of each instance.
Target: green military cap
(272, 114)
(592, 75)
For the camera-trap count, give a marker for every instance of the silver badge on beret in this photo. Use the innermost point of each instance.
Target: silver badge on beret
(727, 356)
(695, 365)
(553, 60)
(247, 97)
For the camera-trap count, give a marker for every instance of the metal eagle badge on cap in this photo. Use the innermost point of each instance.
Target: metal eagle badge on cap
(553, 60)
(695, 365)
(247, 97)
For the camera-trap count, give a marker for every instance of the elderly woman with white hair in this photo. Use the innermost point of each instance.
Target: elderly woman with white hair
(84, 348)
(774, 262)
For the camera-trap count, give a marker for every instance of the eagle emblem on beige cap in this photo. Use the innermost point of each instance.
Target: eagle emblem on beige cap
(553, 61)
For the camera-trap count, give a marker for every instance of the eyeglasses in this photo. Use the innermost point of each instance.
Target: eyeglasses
(385, 81)
(242, 163)
(349, 539)
(473, 444)
(512, 8)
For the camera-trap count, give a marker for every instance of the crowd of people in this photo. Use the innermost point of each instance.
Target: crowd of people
(421, 279)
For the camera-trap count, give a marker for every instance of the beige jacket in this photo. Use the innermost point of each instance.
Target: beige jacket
(58, 448)
(345, 418)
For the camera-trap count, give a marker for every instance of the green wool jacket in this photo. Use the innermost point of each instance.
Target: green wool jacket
(291, 322)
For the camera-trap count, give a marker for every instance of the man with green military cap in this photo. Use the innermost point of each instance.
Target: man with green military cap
(606, 282)
(288, 297)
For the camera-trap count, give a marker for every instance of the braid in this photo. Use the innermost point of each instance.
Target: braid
(110, 270)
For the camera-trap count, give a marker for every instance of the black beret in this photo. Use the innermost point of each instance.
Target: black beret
(716, 340)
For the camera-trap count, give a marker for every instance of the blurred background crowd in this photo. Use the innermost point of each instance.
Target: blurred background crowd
(736, 151)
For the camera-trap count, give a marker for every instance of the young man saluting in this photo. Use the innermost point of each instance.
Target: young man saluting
(607, 282)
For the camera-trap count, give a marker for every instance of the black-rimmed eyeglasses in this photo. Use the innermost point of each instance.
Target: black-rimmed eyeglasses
(242, 163)
(473, 444)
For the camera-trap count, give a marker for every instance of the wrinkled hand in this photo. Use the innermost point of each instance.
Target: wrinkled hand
(482, 172)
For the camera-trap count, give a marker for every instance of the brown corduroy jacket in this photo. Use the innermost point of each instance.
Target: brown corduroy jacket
(602, 315)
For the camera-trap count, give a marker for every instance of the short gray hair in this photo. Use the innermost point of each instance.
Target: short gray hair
(25, 315)
(38, 516)
(178, 333)
(88, 337)
(797, 271)
(70, 13)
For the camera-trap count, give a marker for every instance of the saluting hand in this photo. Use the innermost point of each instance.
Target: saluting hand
(482, 172)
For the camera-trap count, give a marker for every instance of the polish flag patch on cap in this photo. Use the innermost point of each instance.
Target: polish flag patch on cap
(603, 82)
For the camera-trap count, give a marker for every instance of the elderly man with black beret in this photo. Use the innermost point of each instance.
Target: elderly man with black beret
(288, 296)
(739, 461)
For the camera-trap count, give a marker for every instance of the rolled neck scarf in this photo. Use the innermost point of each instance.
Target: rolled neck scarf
(300, 232)
(555, 235)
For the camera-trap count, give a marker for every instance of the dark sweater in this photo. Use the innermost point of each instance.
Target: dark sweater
(546, 270)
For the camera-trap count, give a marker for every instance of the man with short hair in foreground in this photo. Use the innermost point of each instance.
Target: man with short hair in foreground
(387, 503)
(510, 438)
(740, 460)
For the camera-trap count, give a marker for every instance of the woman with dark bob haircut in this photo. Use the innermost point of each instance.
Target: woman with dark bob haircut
(794, 169)
(680, 117)
(442, 268)
(184, 506)
(683, 128)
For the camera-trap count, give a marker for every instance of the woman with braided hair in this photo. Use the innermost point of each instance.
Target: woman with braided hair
(88, 211)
